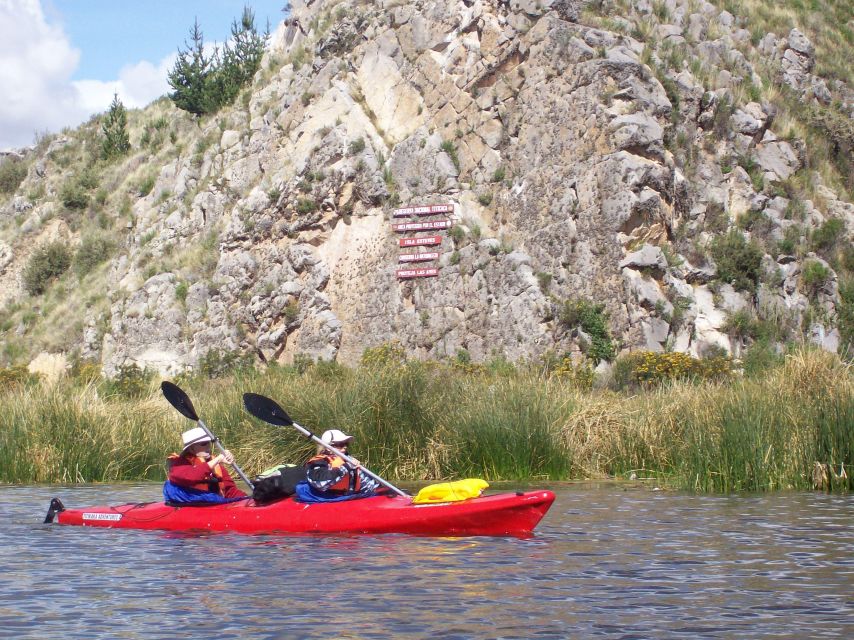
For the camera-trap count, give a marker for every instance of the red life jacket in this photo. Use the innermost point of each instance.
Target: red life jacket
(212, 486)
(350, 482)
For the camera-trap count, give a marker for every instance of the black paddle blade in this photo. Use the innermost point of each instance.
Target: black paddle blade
(179, 400)
(266, 410)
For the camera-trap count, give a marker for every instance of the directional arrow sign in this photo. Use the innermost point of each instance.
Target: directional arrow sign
(426, 210)
(422, 226)
(418, 257)
(406, 274)
(426, 241)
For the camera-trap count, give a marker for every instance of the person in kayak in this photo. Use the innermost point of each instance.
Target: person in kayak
(331, 475)
(195, 476)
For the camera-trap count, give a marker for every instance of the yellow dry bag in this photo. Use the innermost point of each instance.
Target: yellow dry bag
(451, 491)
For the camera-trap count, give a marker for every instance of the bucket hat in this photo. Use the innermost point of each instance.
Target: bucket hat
(334, 436)
(194, 436)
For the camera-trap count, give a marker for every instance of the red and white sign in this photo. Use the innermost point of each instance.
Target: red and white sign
(418, 257)
(427, 210)
(422, 226)
(426, 241)
(406, 274)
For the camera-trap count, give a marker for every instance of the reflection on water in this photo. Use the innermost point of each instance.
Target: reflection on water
(606, 562)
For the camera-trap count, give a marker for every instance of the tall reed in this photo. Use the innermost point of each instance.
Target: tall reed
(429, 421)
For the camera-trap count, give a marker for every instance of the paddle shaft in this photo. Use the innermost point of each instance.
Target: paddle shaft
(222, 449)
(348, 459)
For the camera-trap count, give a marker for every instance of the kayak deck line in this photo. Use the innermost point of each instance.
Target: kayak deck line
(503, 514)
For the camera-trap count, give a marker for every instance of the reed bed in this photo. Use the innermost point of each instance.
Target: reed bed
(427, 421)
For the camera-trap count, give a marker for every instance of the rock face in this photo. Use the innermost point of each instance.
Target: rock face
(575, 170)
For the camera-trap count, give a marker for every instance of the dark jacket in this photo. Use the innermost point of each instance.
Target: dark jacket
(330, 474)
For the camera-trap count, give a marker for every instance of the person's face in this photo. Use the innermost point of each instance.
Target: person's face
(201, 450)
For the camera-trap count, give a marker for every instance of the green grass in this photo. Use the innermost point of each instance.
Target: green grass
(428, 421)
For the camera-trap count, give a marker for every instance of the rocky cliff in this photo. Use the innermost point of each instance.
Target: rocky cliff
(613, 152)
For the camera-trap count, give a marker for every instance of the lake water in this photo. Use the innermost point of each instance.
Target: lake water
(607, 562)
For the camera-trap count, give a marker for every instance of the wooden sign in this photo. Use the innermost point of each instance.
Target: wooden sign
(426, 241)
(427, 210)
(406, 274)
(418, 257)
(422, 226)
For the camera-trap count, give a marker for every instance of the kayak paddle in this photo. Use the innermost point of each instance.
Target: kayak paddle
(181, 401)
(267, 410)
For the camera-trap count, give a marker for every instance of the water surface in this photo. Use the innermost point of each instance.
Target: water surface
(607, 562)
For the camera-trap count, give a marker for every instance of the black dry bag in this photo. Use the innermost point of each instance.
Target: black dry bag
(278, 484)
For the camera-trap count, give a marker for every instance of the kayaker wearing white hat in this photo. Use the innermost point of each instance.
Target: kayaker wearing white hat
(196, 470)
(331, 474)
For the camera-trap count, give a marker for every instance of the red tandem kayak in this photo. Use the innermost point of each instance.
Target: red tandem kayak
(505, 514)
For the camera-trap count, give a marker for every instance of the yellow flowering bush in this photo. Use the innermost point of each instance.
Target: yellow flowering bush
(647, 368)
(578, 375)
(385, 355)
(16, 376)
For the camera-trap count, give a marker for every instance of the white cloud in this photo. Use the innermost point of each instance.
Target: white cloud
(138, 84)
(37, 62)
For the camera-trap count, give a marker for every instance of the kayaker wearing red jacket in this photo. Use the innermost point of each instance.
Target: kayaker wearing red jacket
(194, 468)
(331, 474)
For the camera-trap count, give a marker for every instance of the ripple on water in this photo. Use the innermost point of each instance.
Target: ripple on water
(606, 563)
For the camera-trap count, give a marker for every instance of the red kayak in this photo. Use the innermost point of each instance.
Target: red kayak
(505, 514)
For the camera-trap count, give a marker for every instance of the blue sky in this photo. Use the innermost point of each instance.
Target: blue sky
(113, 33)
(61, 60)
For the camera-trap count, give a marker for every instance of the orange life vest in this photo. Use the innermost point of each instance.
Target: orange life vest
(350, 482)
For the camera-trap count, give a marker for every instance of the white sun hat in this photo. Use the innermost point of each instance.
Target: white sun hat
(194, 436)
(333, 436)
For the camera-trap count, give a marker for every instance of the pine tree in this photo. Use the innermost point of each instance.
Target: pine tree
(248, 45)
(240, 61)
(116, 140)
(189, 76)
(203, 85)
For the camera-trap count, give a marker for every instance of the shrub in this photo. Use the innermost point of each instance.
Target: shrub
(828, 234)
(498, 175)
(16, 376)
(218, 364)
(647, 368)
(291, 312)
(357, 146)
(146, 185)
(12, 174)
(579, 376)
(760, 357)
(306, 205)
(73, 195)
(131, 381)
(93, 251)
(814, 277)
(594, 321)
(388, 354)
(448, 147)
(738, 261)
(302, 363)
(181, 290)
(46, 263)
